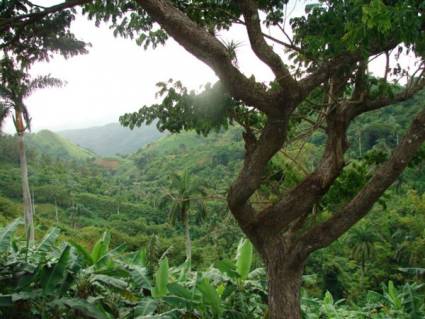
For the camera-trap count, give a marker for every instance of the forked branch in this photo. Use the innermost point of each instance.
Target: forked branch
(301, 199)
(330, 230)
(263, 51)
(250, 177)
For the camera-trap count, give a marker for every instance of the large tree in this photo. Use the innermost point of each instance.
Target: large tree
(321, 77)
(331, 49)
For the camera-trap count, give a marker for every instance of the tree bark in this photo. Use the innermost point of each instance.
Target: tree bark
(284, 284)
(188, 240)
(28, 212)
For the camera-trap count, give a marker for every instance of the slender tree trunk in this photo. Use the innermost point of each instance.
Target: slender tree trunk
(56, 212)
(187, 237)
(28, 210)
(284, 277)
(33, 203)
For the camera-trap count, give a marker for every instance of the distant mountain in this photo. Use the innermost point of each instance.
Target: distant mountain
(54, 145)
(112, 139)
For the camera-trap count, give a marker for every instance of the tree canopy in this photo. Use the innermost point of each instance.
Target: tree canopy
(322, 78)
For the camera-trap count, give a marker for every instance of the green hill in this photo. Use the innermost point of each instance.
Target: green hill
(112, 139)
(51, 144)
(219, 155)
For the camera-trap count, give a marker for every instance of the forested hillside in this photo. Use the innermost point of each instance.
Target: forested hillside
(83, 198)
(112, 139)
(278, 172)
(53, 145)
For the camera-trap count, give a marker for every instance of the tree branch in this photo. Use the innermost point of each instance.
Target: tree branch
(250, 177)
(326, 68)
(325, 233)
(301, 199)
(263, 51)
(210, 50)
(360, 82)
(371, 105)
(31, 17)
(290, 45)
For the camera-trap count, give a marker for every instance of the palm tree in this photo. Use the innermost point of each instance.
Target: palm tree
(15, 86)
(362, 240)
(186, 196)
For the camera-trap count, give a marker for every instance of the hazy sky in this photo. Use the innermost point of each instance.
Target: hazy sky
(117, 76)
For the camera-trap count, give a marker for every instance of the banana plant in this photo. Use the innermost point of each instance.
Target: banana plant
(47, 279)
(244, 258)
(6, 235)
(161, 280)
(51, 280)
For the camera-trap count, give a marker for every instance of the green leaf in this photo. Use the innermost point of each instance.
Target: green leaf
(58, 274)
(210, 296)
(161, 280)
(228, 291)
(373, 297)
(393, 296)
(83, 253)
(179, 302)
(147, 306)
(140, 258)
(48, 241)
(244, 258)
(310, 7)
(139, 277)
(110, 281)
(184, 270)
(179, 291)
(101, 247)
(83, 306)
(328, 299)
(6, 234)
(105, 258)
(228, 267)
(27, 295)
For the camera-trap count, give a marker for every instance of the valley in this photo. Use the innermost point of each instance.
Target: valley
(84, 194)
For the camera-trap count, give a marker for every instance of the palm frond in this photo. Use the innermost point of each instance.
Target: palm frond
(175, 213)
(4, 113)
(42, 82)
(5, 94)
(201, 211)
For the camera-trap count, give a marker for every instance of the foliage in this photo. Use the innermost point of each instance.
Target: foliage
(37, 38)
(181, 110)
(67, 281)
(299, 208)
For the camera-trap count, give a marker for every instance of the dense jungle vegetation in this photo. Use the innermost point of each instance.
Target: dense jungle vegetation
(296, 195)
(137, 268)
